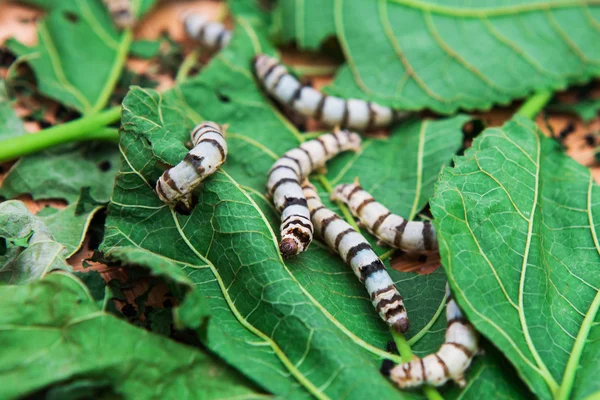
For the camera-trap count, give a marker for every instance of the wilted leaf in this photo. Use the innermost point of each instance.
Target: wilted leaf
(54, 334)
(80, 52)
(304, 326)
(517, 222)
(587, 110)
(31, 251)
(455, 54)
(62, 173)
(10, 124)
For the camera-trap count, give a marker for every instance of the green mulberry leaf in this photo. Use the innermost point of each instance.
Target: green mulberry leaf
(59, 342)
(80, 53)
(451, 54)
(517, 223)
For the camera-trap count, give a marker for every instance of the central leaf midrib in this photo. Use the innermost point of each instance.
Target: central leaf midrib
(566, 386)
(545, 373)
(492, 11)
(251, 328)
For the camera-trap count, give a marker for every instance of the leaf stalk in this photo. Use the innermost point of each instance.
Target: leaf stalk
(533, 105)
(86, 128)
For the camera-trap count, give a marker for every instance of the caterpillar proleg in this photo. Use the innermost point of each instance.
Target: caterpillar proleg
(209, 153)
(209, 34)
(356, 252)
(391, 229)
(121, 12)
(353, 114)
(284, 185)
(450, 362)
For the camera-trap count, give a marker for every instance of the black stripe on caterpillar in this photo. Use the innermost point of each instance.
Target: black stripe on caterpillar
(390, 229)
(208, 154)
(353, 114)
(356, 252)
(210, 34)
(449, 363)
(284, 185)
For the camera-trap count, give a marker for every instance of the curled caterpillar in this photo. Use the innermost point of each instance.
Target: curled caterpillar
(121, 12)
(356, 252)
(450, 362)
(209, 153)
(390, 229)
(284, 187)
(210, 34)
(353, 114)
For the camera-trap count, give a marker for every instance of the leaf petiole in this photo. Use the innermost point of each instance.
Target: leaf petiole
(533, 105)
(86, 128)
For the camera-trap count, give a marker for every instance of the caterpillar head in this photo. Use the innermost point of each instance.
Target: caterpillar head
(289, 247)
(262, 63)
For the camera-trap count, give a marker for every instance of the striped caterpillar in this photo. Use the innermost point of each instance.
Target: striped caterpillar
(356, 252)
(209, 153)
(209, 34)
(390, 229)
(121, 12)
(284, 180)
(450, 362)
(353, 114)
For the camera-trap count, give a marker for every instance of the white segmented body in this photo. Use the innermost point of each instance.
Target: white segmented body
(209, 153)
(450, 362)
(356, 252)
(121, 12)
(209, 34)
(284, 185)
(391, 229)
(333, 111)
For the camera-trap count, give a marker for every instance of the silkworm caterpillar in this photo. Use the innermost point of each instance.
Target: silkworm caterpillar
(450, 362)
(353, 114)
(209, 153)
(356, 252)
(210, 34)
(121, 12)
(284, 187)
(390, 229)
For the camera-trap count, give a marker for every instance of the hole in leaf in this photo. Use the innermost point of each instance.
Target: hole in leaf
(473, 128)
(182, 209)
(223, 98)
(104, 166)
(71, 17)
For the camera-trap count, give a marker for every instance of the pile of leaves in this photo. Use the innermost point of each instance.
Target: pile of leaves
(203, 305)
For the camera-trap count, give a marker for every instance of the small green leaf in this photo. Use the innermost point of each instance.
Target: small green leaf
(61, 173)
(414, 54)
(517, 222)
(32, 251)
(10, 124)
(145, 48)
(55, 337)
(80, 53)
(587, 110)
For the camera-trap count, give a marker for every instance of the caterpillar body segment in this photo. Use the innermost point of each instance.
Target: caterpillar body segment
(208, 154)
(284, 185)
(330, 110)
(209, 34)
(449, 363)
(121, 12)
(356, 252)
(390, 229)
